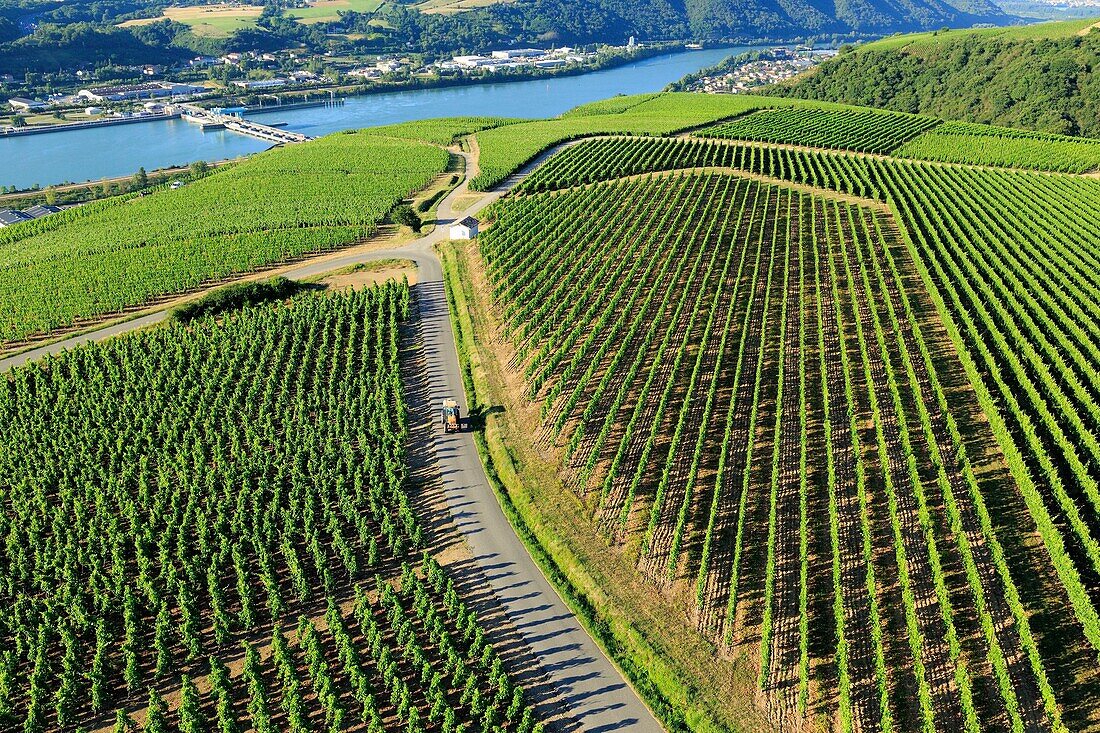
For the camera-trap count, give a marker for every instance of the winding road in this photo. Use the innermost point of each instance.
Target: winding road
(586, 689)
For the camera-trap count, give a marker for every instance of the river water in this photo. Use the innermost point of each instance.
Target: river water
(119, 150)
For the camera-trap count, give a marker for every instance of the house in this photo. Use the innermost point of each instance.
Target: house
(26, 105)
(464, 229)
(37, 212)
(9, 217)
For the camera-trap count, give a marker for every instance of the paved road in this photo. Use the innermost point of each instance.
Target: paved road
(591, 692)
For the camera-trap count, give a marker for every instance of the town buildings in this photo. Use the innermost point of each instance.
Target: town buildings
(149, 90)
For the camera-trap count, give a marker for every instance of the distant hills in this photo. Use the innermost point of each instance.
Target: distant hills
(1038, 77)
(72, 37)
(721, 18)
(585, 21)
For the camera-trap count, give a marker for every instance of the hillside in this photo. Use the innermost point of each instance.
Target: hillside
(128, 32)
(795, 404)
(801, 394)
(1036, 77)
(613, 21)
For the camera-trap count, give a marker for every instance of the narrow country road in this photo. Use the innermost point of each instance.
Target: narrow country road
(589, 691)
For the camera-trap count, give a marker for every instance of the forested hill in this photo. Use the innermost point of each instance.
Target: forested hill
(1039, 77)
(585, 21)
(88, 36)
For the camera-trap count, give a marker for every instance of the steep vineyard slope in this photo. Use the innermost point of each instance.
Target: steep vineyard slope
(847, 417)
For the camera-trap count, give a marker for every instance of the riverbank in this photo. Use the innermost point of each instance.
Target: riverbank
(112, 151)
(421, 83)
(82, 193)
(67, 126)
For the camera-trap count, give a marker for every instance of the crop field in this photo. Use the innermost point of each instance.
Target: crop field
(151, 543)
(326, 11)
(449, 7)
(960, 142)
(614, 105)
(838, 409)
(819, 417)
(101, 258)
(221, 21)
(867, 131)
(602, 159)
(211, 21)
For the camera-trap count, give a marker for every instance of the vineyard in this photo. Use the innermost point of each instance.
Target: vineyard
(210, 524)
(441, 130)
(1025, 327)
(961, 142)
(867, 131)
(824, 380)
(771, 398)
(103, 257)
(505, 150)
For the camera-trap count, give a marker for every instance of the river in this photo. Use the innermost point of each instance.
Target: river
(119, 150)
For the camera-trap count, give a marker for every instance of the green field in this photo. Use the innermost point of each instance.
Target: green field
(863, 131)
(450, 7)
(205, 539)
(442, 130)
(506, 149)
(325, 11)
(211, 21)
(802, 401)
(222, 20)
